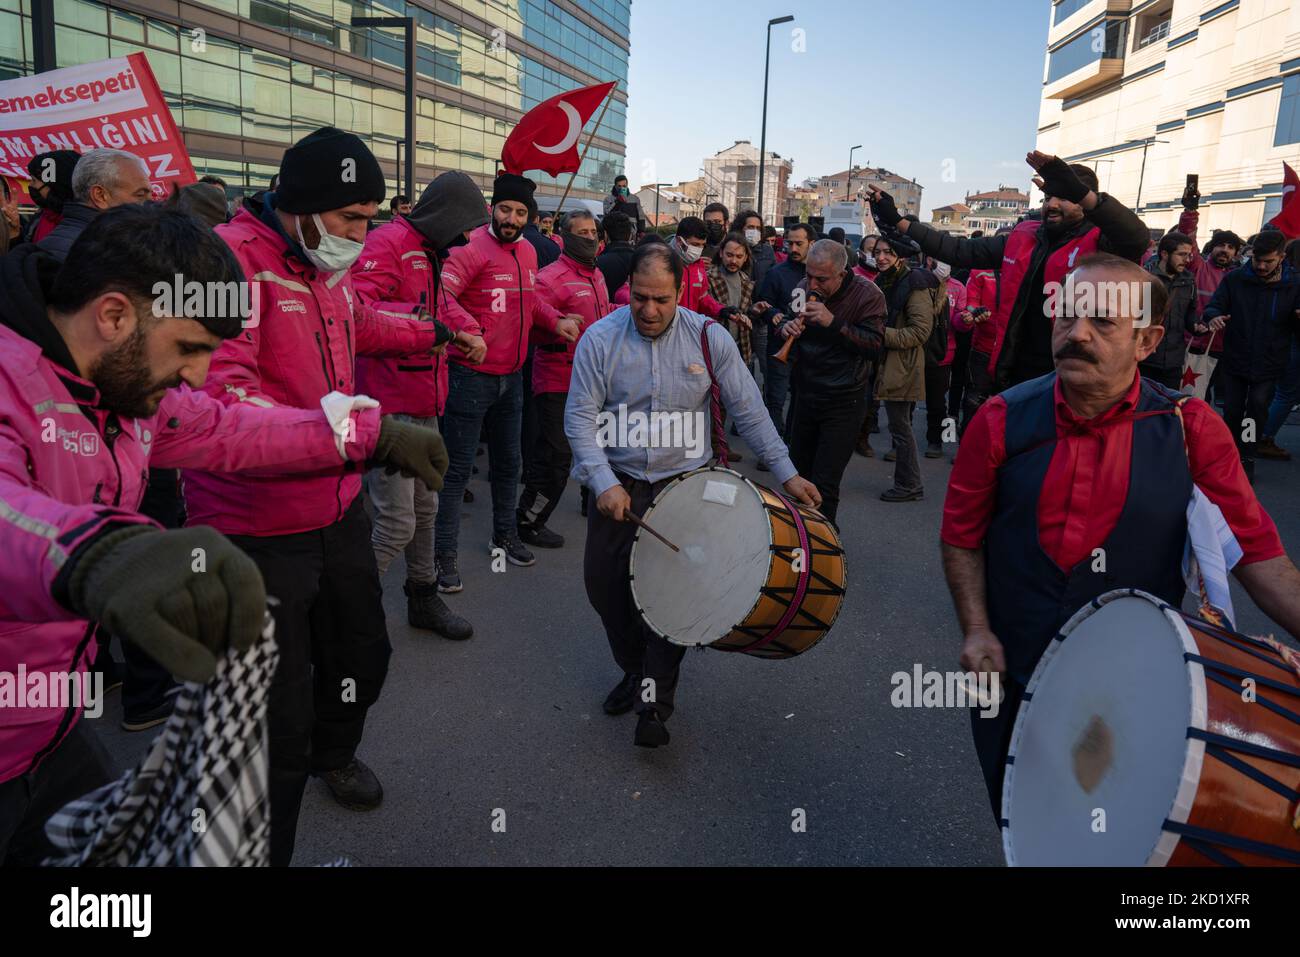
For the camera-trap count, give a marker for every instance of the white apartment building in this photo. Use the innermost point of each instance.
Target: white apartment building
(1148, 91)
(731, 178)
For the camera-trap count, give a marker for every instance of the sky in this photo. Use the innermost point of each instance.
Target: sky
(943, 91)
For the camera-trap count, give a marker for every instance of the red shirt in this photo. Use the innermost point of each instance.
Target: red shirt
(1087, 481)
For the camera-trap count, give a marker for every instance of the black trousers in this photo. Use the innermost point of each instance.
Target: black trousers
(1169, 378)
(606, 573)
(823, 431)
(546, 471)
(528, 424)
(145, 683)
(334, 650)
(76, 767)
(936, 401)
(957, 387)
(992, 738)
(979, 386)
(1245, 399)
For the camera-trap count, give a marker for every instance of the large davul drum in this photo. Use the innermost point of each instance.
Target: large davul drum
(1147, 736)
(757, 572)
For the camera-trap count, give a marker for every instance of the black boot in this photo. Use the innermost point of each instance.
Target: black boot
(424, 609)
(650, 730)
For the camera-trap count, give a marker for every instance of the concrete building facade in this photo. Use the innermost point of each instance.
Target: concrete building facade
(1148, 91)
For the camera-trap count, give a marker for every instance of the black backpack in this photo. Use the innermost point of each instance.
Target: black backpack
(936, 347)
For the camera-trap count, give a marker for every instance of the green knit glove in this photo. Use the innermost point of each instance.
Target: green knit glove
(184, 596)
(413, 450)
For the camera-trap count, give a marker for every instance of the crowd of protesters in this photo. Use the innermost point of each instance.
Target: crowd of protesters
(452, 328)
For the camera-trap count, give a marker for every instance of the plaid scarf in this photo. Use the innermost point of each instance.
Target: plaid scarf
(718, 290)
(199, 797)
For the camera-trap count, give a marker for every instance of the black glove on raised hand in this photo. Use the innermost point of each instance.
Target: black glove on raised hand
(884, 212)
(184, 596)
(728, 313)
(413, 450)
(1060, 181)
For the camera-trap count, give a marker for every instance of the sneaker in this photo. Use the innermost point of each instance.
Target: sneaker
(448, 574)
(540, 536)
(863, 447)
(150, 718)
(621, 699)
(354, 786)
(898, 495)
(425, 610)
(516, 553)
(650, 730)
(1269, 449)
(890, 456)
(934, 451)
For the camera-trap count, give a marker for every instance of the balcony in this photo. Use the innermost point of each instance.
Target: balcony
(1085, 62)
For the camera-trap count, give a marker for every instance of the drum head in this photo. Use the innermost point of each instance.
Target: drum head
(698, 595)
(1100, 756)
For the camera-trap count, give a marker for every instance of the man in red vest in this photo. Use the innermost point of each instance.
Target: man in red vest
(1076, 222)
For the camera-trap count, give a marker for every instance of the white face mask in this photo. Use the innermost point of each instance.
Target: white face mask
(688, 252)
(869, 261)
(752, 236)
(942, 271)
(332, 253)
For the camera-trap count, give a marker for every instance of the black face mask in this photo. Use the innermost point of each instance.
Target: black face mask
(715, 232)
(580, 248)
(48, 200)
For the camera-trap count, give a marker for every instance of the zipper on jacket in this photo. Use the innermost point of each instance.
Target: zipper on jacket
(519, 346)
(320, 347)
(111, 432)
(65, 722)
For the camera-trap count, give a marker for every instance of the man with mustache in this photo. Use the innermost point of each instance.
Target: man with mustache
(1076, 221)
(1089, 457)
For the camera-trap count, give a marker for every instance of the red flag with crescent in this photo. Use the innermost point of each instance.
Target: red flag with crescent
(546, 137)
(1288, 218)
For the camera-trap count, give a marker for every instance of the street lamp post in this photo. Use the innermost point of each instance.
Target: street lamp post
(762, 140)
(408, 24)
(849, 184)
(657, 185)
(1143, 173)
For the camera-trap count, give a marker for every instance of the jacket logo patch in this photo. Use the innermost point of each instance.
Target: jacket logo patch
(502, 277)
(292, 305)
(420, 264)
(80, 443)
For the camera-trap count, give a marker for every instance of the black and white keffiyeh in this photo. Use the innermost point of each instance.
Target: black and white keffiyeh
(199, 797)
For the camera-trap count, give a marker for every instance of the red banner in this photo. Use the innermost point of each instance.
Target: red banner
(112, 103)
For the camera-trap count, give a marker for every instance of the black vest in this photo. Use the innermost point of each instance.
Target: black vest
(1029, 597)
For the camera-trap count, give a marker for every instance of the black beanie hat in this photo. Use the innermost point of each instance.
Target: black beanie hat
(315, 174)
(508, 186)
(65, 161)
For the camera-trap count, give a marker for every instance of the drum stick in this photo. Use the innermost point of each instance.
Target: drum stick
(637, 520)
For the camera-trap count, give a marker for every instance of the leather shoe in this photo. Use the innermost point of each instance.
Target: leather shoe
(354, 786)
(620, 700)
(650, 730)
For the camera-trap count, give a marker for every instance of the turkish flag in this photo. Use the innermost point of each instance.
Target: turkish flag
(1288, 220)
(546, 137)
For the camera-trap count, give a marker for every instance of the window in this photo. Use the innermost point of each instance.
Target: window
(1104, 41)
(1152, 26)
(1067, 8)
(1288, 112)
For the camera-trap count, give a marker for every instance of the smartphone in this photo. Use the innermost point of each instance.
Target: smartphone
(1193, 180)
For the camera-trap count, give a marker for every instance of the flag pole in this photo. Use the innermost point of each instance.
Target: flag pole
(591, 136)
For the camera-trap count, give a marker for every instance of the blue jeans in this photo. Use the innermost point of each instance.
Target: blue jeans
(1288, 388)
(776, 385)
(475, 400)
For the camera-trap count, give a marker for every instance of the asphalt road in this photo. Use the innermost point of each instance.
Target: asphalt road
(510, 721)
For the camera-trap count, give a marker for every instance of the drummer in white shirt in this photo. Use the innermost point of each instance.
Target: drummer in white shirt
(646, 362)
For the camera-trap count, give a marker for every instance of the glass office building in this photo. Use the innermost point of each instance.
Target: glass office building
(246, 78)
